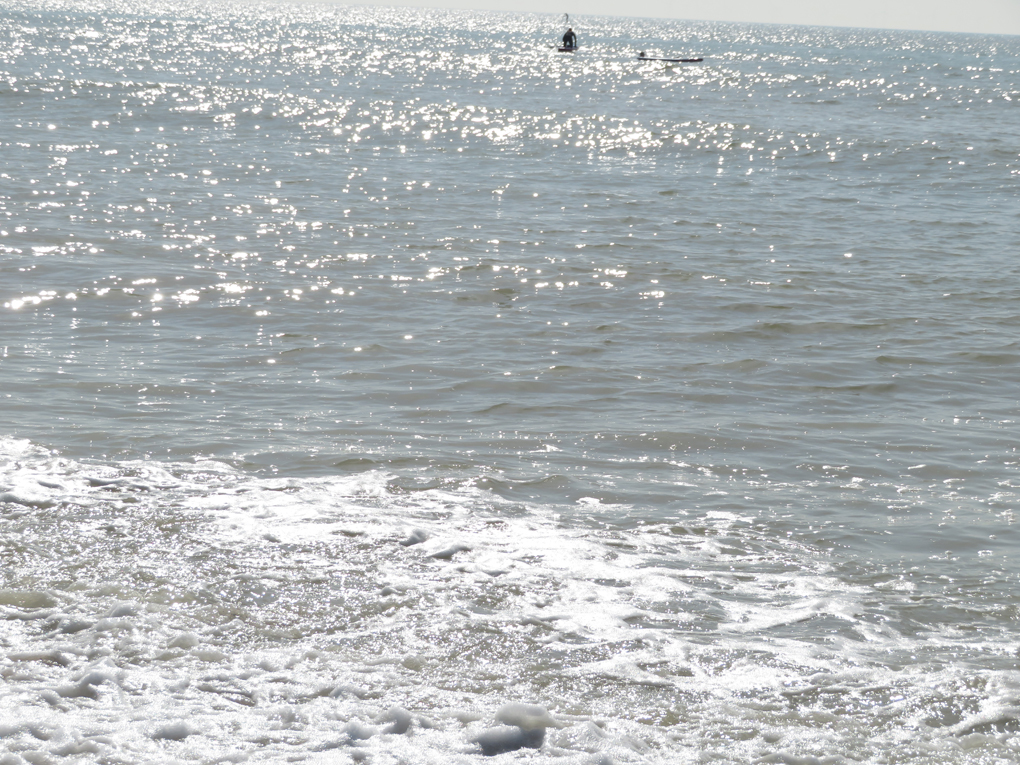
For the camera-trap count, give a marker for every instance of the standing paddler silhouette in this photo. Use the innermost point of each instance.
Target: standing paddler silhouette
(569, 37)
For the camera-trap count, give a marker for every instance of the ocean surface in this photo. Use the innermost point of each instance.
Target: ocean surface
(383, 386)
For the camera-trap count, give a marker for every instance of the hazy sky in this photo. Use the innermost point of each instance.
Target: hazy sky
(989, 16)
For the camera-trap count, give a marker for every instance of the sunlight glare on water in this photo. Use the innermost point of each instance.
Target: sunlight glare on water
(382, 385)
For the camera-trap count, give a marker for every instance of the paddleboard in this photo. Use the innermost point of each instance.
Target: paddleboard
(566, 50)
(671, 60)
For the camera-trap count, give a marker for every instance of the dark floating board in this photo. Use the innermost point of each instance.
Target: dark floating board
(671, 60)
(562, 49)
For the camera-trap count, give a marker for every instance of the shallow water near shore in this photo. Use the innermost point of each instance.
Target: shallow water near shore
(369, 373)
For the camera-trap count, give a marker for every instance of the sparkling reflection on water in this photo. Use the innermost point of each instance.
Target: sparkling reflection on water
(726, 349)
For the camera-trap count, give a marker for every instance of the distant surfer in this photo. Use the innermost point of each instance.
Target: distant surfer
(642, 56)
(569, 39)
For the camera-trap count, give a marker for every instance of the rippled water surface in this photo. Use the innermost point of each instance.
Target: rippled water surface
(369, 373)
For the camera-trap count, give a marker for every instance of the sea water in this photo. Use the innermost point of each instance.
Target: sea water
(380, 385)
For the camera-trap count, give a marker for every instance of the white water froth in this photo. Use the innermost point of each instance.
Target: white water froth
(195, 613)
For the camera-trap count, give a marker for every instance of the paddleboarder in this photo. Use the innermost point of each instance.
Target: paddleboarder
(569, 39)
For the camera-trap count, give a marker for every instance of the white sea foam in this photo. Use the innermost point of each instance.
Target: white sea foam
(348, 641)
